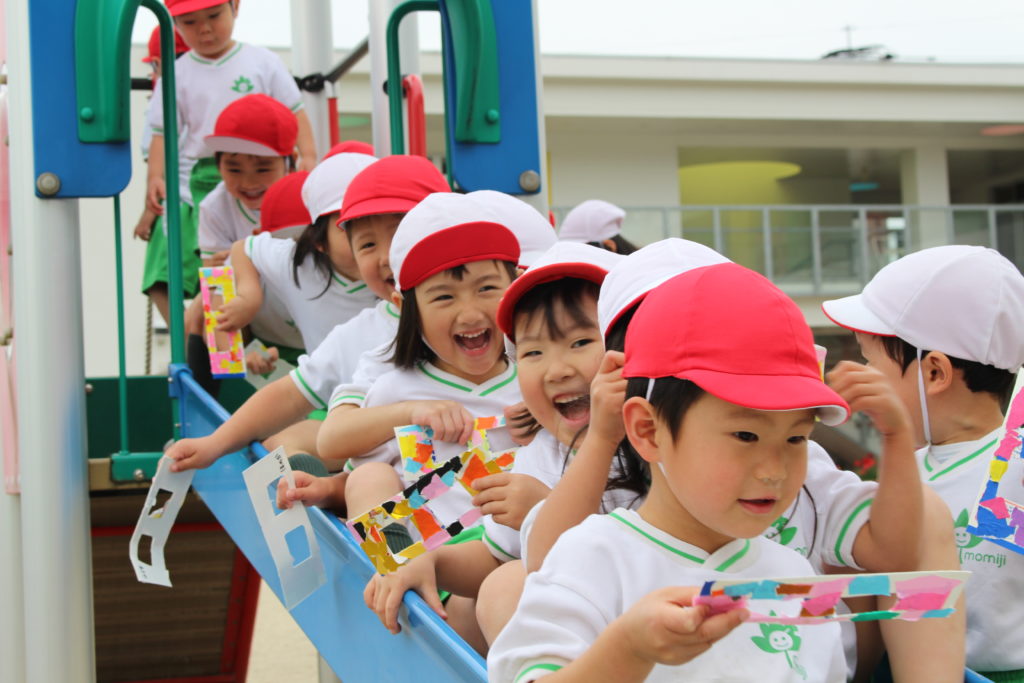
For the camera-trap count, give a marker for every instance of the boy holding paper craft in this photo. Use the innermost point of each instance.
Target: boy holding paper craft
(725, 432)
(374, 203)
(215, 71)
(836, 519)
(945, 325)
(558, 349)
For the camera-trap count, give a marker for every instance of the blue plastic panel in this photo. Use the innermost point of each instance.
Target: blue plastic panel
(347, 634)
(85, 170)
(497, 166)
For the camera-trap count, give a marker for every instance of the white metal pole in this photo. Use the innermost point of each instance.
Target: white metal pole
(409, 52)
(12, 637)
(312, 52)
(47, 283)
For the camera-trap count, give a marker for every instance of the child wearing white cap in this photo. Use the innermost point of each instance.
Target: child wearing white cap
(337, 438)
(598, 223)
(725, 433)
(945, 325)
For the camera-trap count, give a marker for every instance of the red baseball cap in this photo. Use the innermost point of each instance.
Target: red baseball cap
(255, 124)
(179, 7)
(154, 45)
(734, 334)
(282, 204)
(393, 184)
(562, 260)
(350, 147)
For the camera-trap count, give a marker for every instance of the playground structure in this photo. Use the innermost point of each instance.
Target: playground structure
(67, 94)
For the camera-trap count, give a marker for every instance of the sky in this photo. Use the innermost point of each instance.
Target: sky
(912, 30)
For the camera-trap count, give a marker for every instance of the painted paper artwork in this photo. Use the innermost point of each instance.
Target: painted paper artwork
(999, 514)
(815, 599)
(229, 363)
(409, 514)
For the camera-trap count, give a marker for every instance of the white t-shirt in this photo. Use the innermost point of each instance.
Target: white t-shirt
(599, 569)
(205, 87)
(315, 310)
(223, 220)
(371, 365)
(995, 592)
(427, 382)
(335, 359)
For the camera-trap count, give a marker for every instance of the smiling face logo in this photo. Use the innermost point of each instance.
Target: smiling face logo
(781, 639)
(964, 538)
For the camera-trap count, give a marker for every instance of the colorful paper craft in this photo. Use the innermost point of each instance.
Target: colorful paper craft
(997, 517)
(813, 599)
(230, 363)
(411, 506)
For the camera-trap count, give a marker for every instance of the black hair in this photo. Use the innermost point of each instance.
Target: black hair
(408, 348)
(546, 298)
(289, 161)
(978, 376)
(621, 245)
(313, 243)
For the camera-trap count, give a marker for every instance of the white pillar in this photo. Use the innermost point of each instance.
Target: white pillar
(12, 610)
(924, 181)
(409, 52)
(312, 52)
(56, 551)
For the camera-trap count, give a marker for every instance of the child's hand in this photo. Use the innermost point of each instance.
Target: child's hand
(189, 454)
(144, 228)
(869, 391)
(508, 497)
(234, 315)
(217, 259)
(156, 191)
(663, 627)
(607, 394)
(306, 163)
(309, 490)
(449, 420)
(384, 593)
(261, 364)
(522, 426)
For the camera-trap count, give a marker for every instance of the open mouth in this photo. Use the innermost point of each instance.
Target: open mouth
(758, 506)
(475, 342)
(573, 407)
(253, 194)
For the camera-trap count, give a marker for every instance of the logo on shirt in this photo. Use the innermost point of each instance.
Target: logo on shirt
(782, 533)
(243, 85)
(781, 639)
(964, 538)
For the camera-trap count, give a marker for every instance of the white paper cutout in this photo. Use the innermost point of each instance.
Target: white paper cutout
(156, 523)
(281, 366)
(298, 581)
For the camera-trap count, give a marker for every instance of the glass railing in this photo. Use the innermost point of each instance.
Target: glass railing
(827, 249)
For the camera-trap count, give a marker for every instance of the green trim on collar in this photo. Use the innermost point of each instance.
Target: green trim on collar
(422, 368)
(231, 53)
(961, 461)
(666, 546)
(245, 212)
(515, 373)
(735, 558)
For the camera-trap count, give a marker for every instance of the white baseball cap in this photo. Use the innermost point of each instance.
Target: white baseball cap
(324, 189)
(445, 230)
(964, 301)
(533, 231)
(562, 260)
(592, 221)
(646, 268)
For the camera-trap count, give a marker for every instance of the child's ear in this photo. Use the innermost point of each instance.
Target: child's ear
(396, 299)
(938, 372)
(641, 427)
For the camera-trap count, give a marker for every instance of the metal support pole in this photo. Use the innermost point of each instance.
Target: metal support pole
(716, 228)
(816, 249)
(865, 252)
(766, 236)
(993, 234)
(56, 552)
(408, 50)
(312, 47)
(12, 606)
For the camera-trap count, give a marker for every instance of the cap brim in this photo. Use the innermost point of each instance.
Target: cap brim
(376, 207)
(537, 276)
(220, 143)
(851, 313)
(774, 392)
(194, 6)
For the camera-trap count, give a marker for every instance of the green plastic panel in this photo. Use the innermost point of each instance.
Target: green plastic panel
(102, 42)
(474, 41)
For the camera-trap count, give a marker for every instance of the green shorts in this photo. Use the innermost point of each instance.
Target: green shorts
(204, 178)
(318, 415)
(473, 533)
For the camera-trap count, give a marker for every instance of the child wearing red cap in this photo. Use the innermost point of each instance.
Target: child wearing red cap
(215, 72)
(723, 390)
(374, 202)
